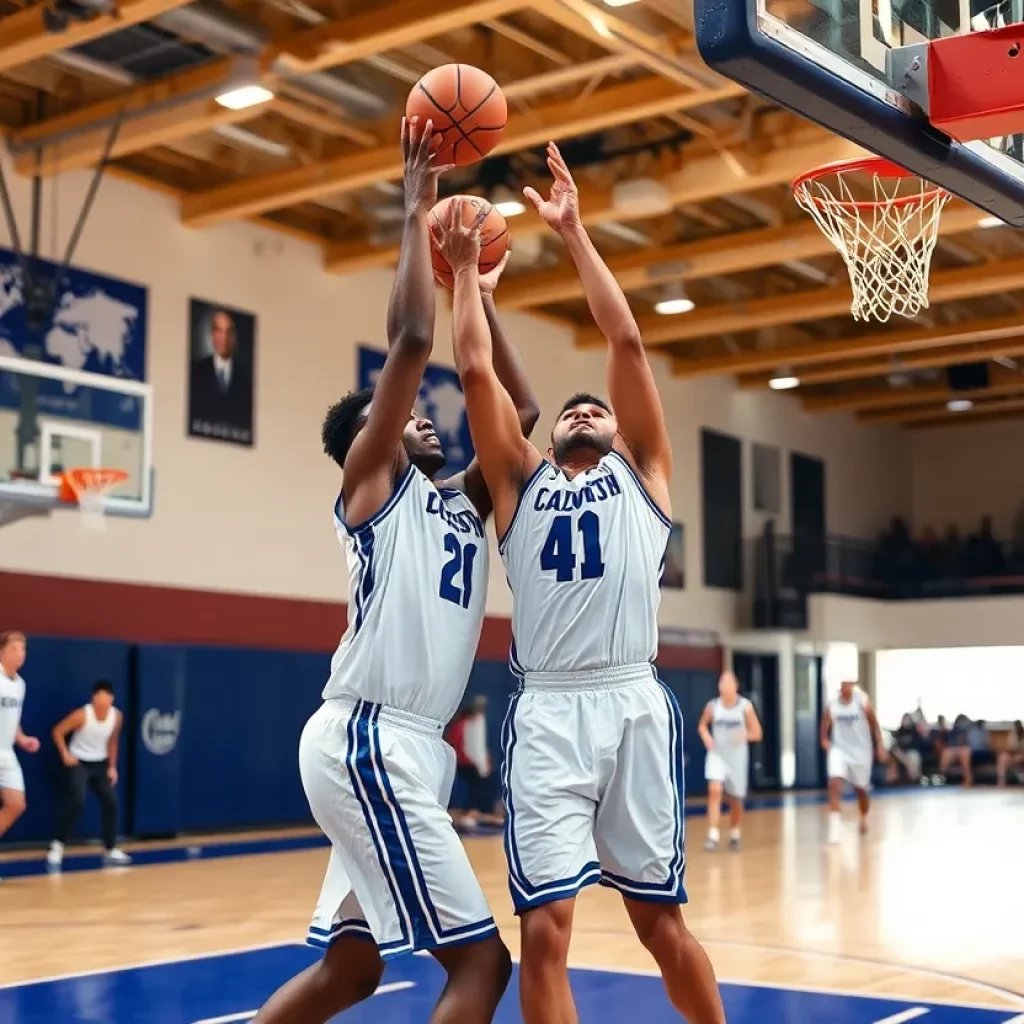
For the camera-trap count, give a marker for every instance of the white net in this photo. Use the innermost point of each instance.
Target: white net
(91, 507)
(886, 241)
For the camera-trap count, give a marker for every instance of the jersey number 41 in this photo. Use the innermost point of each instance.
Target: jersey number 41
(559, 554)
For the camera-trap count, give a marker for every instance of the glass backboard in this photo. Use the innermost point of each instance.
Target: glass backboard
(827, 60)
(53, 418)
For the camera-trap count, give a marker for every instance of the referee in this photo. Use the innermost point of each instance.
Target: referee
(91, 763)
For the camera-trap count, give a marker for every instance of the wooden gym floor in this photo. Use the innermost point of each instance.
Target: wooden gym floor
(924, 916)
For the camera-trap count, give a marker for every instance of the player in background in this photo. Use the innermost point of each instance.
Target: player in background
(851, 738)
(374, 766)
(13, 650)
(593, 769)
(727, 727)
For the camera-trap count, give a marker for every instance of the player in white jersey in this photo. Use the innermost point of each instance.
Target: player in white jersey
(727, 727)
(851, 738)
(376, 771)
(593, 758)
(12, 698)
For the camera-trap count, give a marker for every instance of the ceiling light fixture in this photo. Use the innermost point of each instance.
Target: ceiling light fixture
(990, 222)
(674, 301)
(959, 404)
(244, 96)
(619, 3)
(506, 202)
(782, 383)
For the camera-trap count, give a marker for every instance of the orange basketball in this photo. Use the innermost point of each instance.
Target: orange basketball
(493, 236)
(468, 110)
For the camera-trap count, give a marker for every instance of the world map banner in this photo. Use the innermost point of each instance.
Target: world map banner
(440, 400)
(95, 323)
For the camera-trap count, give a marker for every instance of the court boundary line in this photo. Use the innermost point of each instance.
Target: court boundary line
(593, 968)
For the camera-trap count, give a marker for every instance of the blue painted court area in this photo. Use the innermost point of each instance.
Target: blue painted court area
(230, 987)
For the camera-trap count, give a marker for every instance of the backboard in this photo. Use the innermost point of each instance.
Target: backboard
(53, 418)
(827, 60)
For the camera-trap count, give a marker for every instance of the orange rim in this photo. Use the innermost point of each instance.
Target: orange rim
(74, 482)
(875, 165)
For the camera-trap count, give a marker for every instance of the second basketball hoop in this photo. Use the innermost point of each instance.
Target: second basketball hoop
(884, 222)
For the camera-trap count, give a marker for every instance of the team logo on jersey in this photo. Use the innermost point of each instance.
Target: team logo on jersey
(160, 732)
(10, 702)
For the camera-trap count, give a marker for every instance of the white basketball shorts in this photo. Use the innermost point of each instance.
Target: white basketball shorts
(378, 782)
(856, 773)
(10, 771)
(593, 787)
(731, 767)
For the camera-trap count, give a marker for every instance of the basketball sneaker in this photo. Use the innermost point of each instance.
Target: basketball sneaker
(55, 856)
(116, 858)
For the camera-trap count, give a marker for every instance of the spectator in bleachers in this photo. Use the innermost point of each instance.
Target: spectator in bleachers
(952, 554)
(1012, 755)
(958, 751)
(906, 751)
(929, 556)
(984, 556)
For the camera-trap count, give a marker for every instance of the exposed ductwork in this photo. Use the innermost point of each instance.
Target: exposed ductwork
(225, 31)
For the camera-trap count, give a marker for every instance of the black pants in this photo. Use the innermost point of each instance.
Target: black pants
(477, 790)
(81, 777)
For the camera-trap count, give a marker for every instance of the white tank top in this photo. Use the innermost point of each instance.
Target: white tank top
(584, 559)
(417, 586)
(12, 696)
(90, 742)
(851, 734)
(729, 725)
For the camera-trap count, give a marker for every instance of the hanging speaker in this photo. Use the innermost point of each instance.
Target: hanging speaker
(967, 377)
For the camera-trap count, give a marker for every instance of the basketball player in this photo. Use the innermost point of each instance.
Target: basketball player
(727, 727)
(91, 762)
(375, 769)
(852, 739)
(13, 651)
(593, 770)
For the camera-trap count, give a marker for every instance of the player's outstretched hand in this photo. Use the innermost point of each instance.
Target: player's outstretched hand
(561, 210)
(489, 281)
(458, 242)
(421, 172)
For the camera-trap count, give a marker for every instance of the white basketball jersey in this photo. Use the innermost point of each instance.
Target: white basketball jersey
(584, 559)
(729, 725)
(851, 733)
(91, 743)
(417, 586)
(12, 696)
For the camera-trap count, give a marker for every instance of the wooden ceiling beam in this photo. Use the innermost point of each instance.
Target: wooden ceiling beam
(711, 257)
(949, 419)
(615, 105)
(1002, 381)
(695, 181)
(381, 28)
(931, 413)
(24, 36)
(859, 369)
(884, 343)
(815, 304)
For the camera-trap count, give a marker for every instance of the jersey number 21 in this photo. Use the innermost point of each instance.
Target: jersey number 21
(460, 562)
(559, 554)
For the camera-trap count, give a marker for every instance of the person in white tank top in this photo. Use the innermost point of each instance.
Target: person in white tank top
(374, 765)
(13, 651)
(852, 740)
(727, 727)
(90, 761)
(593, 759)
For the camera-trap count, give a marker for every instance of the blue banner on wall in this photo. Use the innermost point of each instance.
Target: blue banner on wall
(440, 399)
(94, 323)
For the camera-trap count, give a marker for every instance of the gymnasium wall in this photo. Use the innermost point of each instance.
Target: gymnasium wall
(258, 520)
(961, 473)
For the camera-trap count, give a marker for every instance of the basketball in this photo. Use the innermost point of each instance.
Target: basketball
(493, 236)
(468, 110)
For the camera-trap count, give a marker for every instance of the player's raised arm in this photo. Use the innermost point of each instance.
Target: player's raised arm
(506, 457)
(512, 374)
(410, 328)
(634, 395)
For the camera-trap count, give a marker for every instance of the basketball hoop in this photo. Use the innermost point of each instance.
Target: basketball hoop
(89, 489)
(886, 240)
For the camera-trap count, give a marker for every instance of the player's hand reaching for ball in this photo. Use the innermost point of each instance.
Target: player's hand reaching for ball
(489, 281)
(421, 171)
(457, 241)
(561, 210)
